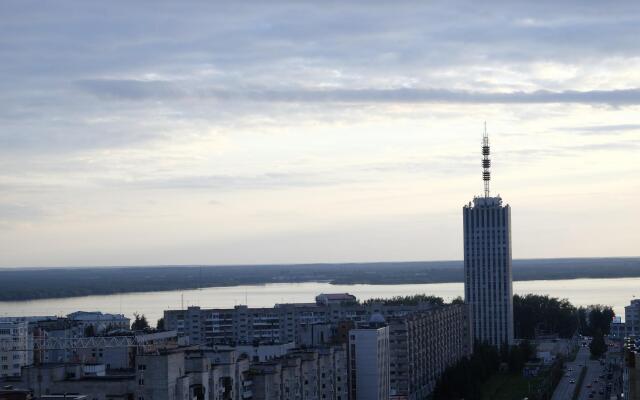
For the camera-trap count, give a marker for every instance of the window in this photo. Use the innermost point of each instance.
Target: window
(141, 381)
(142, 367)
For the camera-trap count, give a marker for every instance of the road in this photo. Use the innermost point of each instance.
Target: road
(592, 384)
(564, 390)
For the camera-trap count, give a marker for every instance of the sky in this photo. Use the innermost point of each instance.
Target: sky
(199, 132)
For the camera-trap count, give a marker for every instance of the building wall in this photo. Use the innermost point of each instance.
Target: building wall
(68, 378)
(14, 340)
(423, 345)
(280, 324)
(369, 364)
(159, 377)
(487, 267)
(632, 318)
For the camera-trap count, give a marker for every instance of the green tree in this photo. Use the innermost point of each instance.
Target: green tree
(597, 346)
(457, 300)
(407, 300)
(89, 331)
(140, 323)
(160, 324)
(534, 313)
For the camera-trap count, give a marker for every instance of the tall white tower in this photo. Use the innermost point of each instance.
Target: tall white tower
(487, 262)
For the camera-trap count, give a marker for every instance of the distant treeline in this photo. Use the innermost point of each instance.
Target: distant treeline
(27, 284)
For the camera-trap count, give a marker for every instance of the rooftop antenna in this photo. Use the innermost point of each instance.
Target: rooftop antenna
(486, 161)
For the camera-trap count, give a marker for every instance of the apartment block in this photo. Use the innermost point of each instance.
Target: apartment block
(423, 344)
(369, 362)
(279, 324)
(16, 346)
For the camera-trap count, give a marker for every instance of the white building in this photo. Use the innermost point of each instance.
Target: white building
(369, 362)
(16, 346)
(632, 318)
(102, 323)
(618, 328)
(335, 298)
(487, 264)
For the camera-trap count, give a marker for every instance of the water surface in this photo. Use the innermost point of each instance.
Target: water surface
(614, 292)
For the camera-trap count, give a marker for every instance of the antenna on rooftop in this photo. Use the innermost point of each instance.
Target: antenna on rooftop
(486, 161)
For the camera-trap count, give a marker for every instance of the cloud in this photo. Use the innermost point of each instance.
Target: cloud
(602, 129)
(131, 89)
(231, 182)
(164, 90)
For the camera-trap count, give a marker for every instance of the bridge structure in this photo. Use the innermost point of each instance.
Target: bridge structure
(42, 343)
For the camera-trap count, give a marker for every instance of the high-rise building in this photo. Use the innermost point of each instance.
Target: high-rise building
(369, 361)
(487, 262)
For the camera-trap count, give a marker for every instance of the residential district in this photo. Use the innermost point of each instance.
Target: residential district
(338, 347)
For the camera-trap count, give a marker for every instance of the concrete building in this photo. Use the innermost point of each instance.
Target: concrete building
(632, 318)
(52, 379)
(487, 264)
(185, 373)
(16, 346)
(422, 345)
(309, 374)
(335, 298)
(618, 329)
(369, 361)
(280, 324)
(101, 323)
(162, 377)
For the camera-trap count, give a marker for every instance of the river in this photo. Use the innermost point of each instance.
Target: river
(581, 292)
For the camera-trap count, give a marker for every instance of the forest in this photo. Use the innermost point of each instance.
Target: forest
(39, 283)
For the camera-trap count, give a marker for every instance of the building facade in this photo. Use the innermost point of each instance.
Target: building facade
(632, 318)
(16, 344)
(280, 324)
(369, 363)
(423, 345)
(487, 264)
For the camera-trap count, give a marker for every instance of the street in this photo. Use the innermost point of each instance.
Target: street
(594, 385)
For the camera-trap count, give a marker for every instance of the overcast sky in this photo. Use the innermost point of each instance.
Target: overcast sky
(267, 132)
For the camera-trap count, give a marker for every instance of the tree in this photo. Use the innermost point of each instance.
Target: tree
(89, 331)
(160, 324)
(457, 300)
(406, 300)
(595, 318)
(597, 346)
(533, 313)
(140, 323)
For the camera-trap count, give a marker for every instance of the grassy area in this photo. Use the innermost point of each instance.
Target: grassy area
(573, 353)
(578, 384)
(510, 386)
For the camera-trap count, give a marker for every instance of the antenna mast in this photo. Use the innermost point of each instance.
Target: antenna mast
(486, 161)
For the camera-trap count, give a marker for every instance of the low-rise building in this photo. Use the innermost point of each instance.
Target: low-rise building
(618, 329)
(99, 322)
(334, 298)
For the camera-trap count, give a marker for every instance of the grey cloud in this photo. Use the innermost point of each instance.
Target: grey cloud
(158, 90)
(131, 89)
(10, 212)
(232, 182)
(602, 129)
(409, 95)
